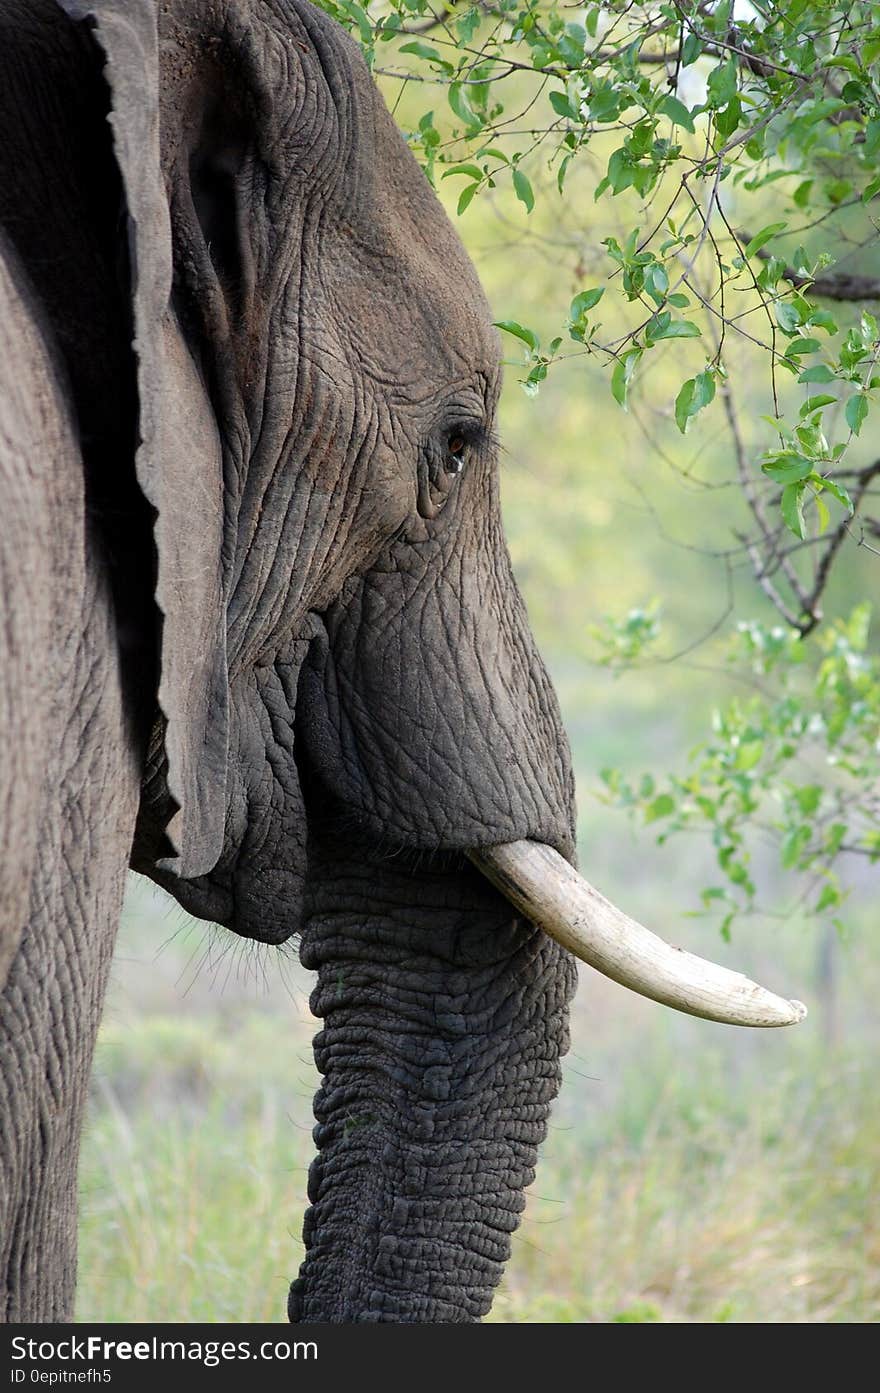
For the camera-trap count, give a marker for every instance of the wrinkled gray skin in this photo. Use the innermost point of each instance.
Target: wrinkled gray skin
(246, 588)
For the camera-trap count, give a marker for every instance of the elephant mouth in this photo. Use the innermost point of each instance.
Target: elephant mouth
(547, 890)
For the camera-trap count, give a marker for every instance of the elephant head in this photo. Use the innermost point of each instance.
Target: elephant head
(352, 720)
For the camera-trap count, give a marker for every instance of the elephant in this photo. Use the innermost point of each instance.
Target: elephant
(261, 639)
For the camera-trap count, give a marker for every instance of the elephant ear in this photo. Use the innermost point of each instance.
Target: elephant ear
(179, 455)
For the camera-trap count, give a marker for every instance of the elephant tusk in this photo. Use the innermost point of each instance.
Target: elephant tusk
(547, 890)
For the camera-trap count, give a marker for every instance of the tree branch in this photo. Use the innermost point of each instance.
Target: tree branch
(839, 285)
(812, 608)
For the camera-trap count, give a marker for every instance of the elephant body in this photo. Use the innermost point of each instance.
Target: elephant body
(260, 636)
(69, 787)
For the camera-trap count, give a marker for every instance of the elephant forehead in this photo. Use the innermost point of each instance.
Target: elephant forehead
(407, 243)
(388, 251)
(403, 282)
(404, 322)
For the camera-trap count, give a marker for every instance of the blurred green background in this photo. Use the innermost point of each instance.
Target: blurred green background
(692, 1172)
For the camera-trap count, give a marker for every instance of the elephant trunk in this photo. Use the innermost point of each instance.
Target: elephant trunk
(445, 1017)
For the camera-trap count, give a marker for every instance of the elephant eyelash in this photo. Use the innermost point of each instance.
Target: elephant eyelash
(472, 435)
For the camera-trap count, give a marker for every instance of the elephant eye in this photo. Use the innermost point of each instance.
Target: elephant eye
(442, 462)
(456, 450)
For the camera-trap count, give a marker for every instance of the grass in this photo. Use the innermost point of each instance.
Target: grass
(691, 1174)
(745, 1206)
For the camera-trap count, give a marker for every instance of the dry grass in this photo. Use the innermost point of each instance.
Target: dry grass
(687, 1177)
(711, 1216)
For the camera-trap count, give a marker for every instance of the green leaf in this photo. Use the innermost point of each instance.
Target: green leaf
(822, 513)
(829, 898)
(461, 106)
(619, 383)
(871, 189)
(621, 171)
(798, 348)
(872, 137)
(468, 25)
(808, 797)
(727, 121)
(704, 388)
(836, 190)
(793, 509)
(721, 86)
(691, 50)
(429, 54)
(486, 152)
(473, 171)
(834, 838)
(842, 60)
(761, 238)
(694, 395)
(818, 373)
(429, 134)
(749, 754)
(677, 113)
(815, 404)
(622, 375)
(364, 24)
(794, 846)
(661, 806)
(562, 106)
(683, 405)
(839, 492)
(585, 301)
(871, 50)
(571, 44)
(656, 282)
(604, 104)
(823, 319)
(389, 28)
(856, 411)
(675, 329)
(788, 468)
(523, 190)
(466, 197)
(519, 331)
(811, 440)
(787, 317)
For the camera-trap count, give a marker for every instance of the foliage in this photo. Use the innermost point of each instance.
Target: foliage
(791, 771)
(705, 117)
